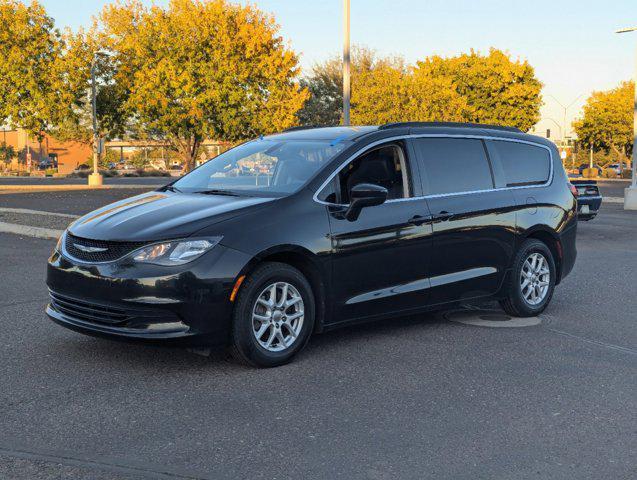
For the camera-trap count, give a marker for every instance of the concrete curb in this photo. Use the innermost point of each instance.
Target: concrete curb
(29, 231)
(16, 189)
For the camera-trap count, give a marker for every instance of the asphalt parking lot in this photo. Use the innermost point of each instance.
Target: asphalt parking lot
(413, 398)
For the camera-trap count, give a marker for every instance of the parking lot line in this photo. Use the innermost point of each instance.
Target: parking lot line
(37, 232)
(35, 212)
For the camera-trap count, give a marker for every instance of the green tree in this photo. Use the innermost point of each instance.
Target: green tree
(7, 153)
(32, 85)
(607, 120)
(325, 85)
(201, 69)
(497, 89)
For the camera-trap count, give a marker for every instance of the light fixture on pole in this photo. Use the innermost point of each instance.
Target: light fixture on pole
(346, 62)
(564, 128)
(630, 194)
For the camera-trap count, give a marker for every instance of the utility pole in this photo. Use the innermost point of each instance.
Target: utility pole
(630, 193)
(346, 62)
(95, 179)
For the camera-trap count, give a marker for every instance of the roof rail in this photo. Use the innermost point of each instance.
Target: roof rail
(302, 127)
(387, 126)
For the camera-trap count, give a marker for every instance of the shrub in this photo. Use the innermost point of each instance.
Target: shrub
(590, 172)
(154, 173)
(609, 173)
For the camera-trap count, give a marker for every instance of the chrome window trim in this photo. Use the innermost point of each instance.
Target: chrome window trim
(439, 195)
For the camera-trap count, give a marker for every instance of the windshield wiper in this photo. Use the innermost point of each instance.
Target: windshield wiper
(171, 188)
(219, 192)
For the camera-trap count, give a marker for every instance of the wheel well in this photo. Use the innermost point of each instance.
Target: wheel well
(554, 246)
(308, 268)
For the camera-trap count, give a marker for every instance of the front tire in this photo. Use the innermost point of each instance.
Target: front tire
(273, 317)
(532, 281)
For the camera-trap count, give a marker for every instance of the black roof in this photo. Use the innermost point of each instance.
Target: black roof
(322, 133)
(342, 133)
(448, 124)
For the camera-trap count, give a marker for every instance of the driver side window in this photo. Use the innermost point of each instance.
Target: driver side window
(385, 166)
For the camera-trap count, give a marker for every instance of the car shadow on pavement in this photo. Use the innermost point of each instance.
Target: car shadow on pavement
(91, 351)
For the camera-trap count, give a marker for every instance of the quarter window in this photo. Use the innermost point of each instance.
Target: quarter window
(522, 164)
(454, 165)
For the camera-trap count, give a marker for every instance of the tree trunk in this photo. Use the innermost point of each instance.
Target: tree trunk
(622, 154)
(188, 149)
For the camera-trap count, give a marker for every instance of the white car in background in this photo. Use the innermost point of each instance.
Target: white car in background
(615, 167)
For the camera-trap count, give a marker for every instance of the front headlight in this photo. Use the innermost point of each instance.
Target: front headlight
(175, 252)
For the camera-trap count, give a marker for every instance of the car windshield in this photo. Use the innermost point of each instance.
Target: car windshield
(261, 167)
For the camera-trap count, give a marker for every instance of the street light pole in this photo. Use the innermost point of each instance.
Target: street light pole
(630, 194)
(94, 179)
(565, 109)
(346, 62)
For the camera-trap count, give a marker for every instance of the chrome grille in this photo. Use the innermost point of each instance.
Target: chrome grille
(103, 251)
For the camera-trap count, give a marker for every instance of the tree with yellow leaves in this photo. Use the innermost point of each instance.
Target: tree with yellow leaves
(200, 69)
(607, 120)
(497, 89)
(467, 88)
(33, 89)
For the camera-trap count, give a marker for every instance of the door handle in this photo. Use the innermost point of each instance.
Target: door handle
(419, 219)
(442, 216)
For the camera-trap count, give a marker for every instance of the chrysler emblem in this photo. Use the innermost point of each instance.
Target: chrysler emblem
(86, 249)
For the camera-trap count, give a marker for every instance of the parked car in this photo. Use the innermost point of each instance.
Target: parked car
(586, 165)
(84, 167)
(615, 167)
(45, 164)
(588, 198)
(355, 224)
(176, 170)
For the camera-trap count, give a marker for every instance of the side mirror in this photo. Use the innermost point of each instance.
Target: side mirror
(364, 195)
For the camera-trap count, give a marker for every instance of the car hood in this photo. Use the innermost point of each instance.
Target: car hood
(160, 216)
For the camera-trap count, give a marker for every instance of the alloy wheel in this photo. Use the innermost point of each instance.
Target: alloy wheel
(535, 278)
(277, 316)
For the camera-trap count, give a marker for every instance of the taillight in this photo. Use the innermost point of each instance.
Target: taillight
(573, 189)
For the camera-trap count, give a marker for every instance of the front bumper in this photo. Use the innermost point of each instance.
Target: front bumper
(187, 305)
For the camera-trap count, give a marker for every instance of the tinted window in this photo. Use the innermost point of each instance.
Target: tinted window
(522, 164)
(454, 165)
(382, 166)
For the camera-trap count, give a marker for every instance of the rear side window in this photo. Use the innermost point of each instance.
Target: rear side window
(522, 164)
(454, 165)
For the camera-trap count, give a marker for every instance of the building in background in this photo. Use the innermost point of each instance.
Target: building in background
(67, 156)
(31, 152)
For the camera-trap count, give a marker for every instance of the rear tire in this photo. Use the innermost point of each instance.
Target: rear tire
(273, 316)
(530, 286)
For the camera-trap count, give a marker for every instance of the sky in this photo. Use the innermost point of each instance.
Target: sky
(571, 43)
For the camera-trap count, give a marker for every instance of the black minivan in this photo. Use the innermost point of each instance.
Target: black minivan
(315, 228)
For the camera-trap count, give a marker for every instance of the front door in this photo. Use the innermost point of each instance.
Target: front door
(380, 259)
(473, 223)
